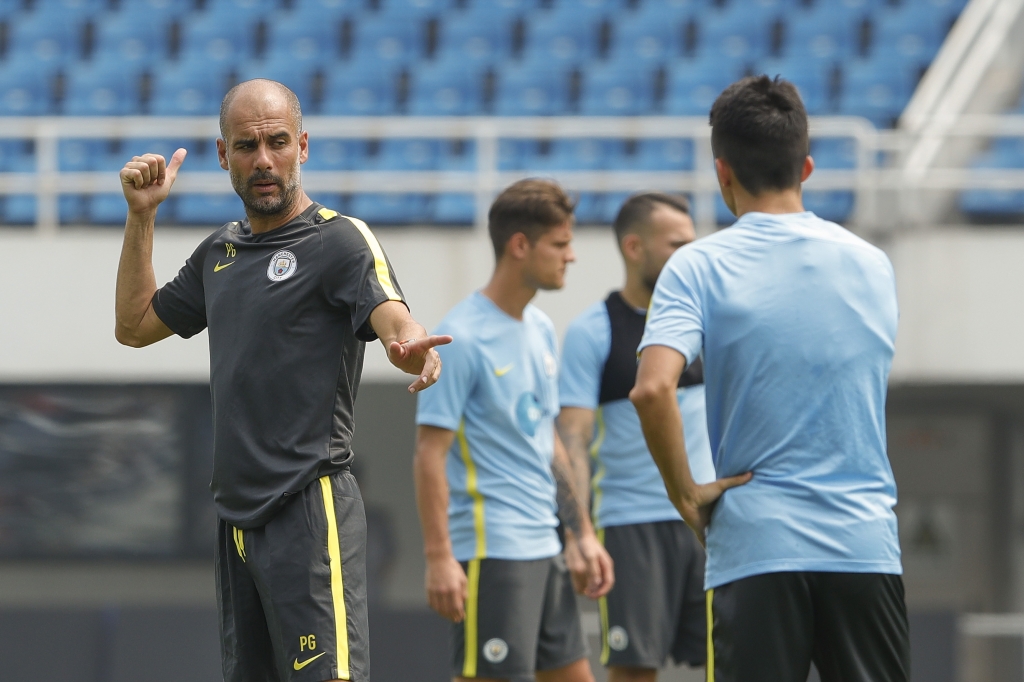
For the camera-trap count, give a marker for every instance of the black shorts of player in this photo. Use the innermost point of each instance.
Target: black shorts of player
(521, 616)
(770, 627)
(656, 608)
(292, 593)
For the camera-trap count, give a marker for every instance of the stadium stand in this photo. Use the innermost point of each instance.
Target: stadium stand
(462, 58)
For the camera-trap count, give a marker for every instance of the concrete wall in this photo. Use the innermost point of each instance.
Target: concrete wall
(959, 297)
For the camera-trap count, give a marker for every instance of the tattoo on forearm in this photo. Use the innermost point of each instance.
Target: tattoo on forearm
(569, 508)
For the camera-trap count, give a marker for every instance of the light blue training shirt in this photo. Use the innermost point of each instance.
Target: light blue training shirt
(797, 321)
(627, 487)
(499, 392)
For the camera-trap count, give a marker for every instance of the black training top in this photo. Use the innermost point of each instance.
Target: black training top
(288, 312)
(619, 374)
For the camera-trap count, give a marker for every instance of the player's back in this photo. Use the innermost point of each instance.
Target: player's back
(799, 320)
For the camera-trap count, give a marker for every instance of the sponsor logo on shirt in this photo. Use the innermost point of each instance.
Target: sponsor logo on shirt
(502, 371)
(282, 266)
(529, 413)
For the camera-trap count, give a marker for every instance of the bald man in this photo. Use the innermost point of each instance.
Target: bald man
(290, 295)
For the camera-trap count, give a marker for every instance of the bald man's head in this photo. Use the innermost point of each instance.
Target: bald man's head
(256, 92)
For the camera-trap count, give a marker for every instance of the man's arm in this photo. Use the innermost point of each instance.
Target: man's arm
(654, 397)
(593, 571)
(409, 347)
(146, 181)
(445, 579)
(576, 428)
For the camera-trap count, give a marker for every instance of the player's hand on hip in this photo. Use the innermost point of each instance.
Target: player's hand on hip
(146, 180)
(598, 570)
(417, 356)
(697, 507)
(446, 588)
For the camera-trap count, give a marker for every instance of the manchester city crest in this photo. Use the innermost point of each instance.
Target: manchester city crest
(282, 266)
(495, 650)
(617, 638)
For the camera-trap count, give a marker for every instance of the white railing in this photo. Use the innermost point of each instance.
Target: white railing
(868, 180)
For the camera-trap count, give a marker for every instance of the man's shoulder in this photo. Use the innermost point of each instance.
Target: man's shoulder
(466, 319)
(592, 323)
(338, 229)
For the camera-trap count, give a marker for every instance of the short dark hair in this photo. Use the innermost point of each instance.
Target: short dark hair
(530, 206)
(637, 209)
(759, 127)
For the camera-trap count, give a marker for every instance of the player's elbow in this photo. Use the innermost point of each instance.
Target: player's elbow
(646, 394)
(127, 337)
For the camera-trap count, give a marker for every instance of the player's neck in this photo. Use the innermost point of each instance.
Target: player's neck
(785, 201)
(635, 292)
(265, 223)
(509, 292)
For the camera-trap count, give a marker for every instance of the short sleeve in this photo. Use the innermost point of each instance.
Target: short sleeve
(444, 403)
(676, 317)
(181, 303)
(584, 354)
(356, 273)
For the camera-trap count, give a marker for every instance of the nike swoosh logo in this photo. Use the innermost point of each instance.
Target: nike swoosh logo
(502, 371)
(300, 666)
(218, 267)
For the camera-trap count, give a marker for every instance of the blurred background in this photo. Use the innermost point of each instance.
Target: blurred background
(419, 111)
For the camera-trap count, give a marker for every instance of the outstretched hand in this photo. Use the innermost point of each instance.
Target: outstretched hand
(146, 180)
(417, 356)
(696, 508)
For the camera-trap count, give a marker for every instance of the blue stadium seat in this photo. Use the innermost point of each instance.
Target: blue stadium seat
(653, 155)
(391, 209)
(417, 8)
(151, 11)
(26, 87)
(103, 88)
(126, 38)
(454, 209)
(512, 154)
(447, 88)
(996, 205)
(503, 9)
(329, 154)
(79, 155)
(535, 88)
(68, 9)
(909, 33)
(17, 209)
(554, 37)
(17, 156)
(872, 88)
(208, 36)
(648, 36)
(832, 153)
(188, 88)
(298, 76)
(820, 34)
(300, 39)
(811, 77)
(737, 33)
(361, 88)
(45, 38)
(472, 39)
(617, 88)
(405, 155)
(694, 84)
(389, 39)
(239, 10)
(327, 10)
(208, 209)
(560, 155)
(590, 208)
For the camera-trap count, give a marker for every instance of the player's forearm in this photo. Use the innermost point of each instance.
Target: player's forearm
(136, 281)
(662, 425)
(571, 510)
(576, 434)
(432, 502)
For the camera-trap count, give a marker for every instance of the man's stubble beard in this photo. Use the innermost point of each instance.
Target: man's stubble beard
(267, 206)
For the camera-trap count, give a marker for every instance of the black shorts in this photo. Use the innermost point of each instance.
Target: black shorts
(521, 616)
(292, 593)
(656, 608)
(768, 628)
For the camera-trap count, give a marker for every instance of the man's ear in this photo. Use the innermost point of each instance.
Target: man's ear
(303, 147)
(518, 246)
(632, 246)
(222, 153)
(808, 168)
(724, 171)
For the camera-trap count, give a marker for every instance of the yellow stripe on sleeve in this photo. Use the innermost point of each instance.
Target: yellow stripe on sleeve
(711, 640)
(380, 263)
(337, 583)
(473, 489)
(599, 473)
(471, 623)
(602, 607)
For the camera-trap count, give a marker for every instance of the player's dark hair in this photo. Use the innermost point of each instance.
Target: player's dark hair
(635, 213)
(291, 97)
(759, 127)
(529, 206)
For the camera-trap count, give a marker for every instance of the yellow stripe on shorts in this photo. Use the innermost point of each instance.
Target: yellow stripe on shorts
(602, 607)
(471, 624)
(711, 640)
(239, 542)
(337, 584)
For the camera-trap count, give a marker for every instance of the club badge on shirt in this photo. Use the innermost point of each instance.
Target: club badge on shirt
(282, 266)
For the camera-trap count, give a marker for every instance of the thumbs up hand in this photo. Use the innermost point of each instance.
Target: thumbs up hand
(146, 180)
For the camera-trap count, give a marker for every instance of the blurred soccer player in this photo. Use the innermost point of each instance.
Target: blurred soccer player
(491, 472)
(657, 606)
(290, 295)
(795, 319)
